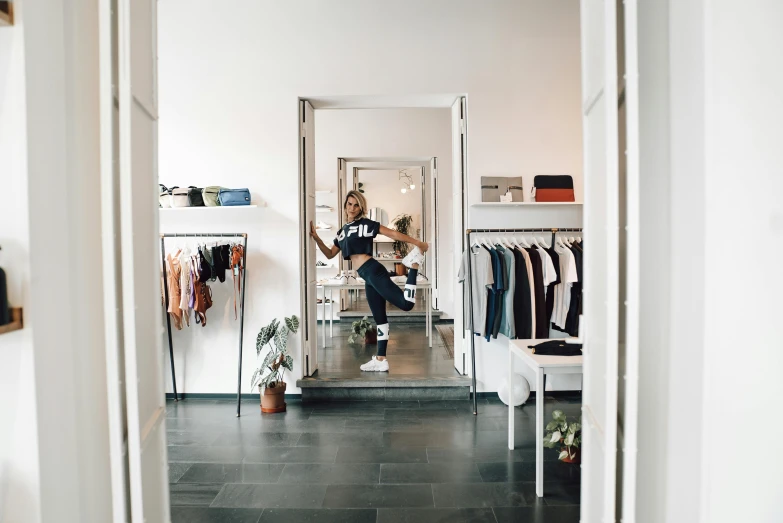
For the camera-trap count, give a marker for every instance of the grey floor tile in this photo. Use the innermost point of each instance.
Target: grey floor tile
(193, 494)
(430, 473)
(191, 437)
(537, 514)
(442, 439)
(326, 424)
(338, 473)
(566, 473)
(176, 470)
(381, 455)
(214, 515)
(462, 405)
(232, 473)
(437, 515)
(557, 493)
(420, 413)
(290, 454)
(476, 455)
(327, 439)
(484, 495)
(318, 515)
(235, 495)
(200, 454)
(378, 496)
(383, 425)
(260, 439)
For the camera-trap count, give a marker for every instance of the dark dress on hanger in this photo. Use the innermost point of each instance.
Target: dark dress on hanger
(523, 316)
(540, 329)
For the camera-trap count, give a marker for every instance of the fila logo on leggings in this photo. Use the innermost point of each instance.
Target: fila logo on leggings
(383, 331)
(362, 230)
(410, 293)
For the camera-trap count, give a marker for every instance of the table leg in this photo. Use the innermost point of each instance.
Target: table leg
(331, 314)
(540, 432)
(510, 404)
(323, 316)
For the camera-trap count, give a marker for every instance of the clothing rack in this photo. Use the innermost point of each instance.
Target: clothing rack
(469, 283)
(242, 235)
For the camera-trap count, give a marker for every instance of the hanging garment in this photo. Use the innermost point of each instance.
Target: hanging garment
(193, 279)
(481, 279)
(494, 289)
(507, 319)
(531, 280)
(184, 285)
(568, 277)
(173, 269)
(204, 269)
(523, 319)
(500, 291)
(572, 317)
(220, 262)
(237, 271)
(550, 294)
(540, 329)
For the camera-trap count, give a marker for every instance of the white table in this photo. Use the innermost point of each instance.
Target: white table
(541, 365)
(328, 289)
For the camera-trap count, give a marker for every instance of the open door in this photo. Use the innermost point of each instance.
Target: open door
(307, 262)
(459, 218)
(140, 273)
(601, 265)
(435, 243)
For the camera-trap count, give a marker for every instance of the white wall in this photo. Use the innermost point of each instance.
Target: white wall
(19, 476)
(229, 85)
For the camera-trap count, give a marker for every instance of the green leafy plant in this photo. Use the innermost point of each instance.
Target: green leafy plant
(359, 328)
(561, 433)
(275, 338)
(402, 224)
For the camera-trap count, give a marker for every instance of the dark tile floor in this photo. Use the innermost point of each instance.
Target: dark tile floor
(408, 353)
(385, 462)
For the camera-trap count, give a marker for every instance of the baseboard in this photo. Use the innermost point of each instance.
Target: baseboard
(223, 396)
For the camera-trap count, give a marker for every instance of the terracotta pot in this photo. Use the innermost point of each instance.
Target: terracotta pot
(400, 269)
(575, 453)
(371, 337)
(273, 398)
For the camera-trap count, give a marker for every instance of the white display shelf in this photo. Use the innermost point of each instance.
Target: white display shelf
(528, 204)
(324, 210)
(207, 208)
(325, 191)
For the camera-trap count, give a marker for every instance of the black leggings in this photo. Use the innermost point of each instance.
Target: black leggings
(380, 289)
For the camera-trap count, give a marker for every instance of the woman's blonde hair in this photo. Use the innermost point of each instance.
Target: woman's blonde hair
(361, 200)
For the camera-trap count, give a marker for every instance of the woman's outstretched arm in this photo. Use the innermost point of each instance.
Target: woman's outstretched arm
(330, 251)
(396, 235)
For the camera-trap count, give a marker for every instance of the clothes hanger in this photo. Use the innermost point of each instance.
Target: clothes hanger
(542, 243)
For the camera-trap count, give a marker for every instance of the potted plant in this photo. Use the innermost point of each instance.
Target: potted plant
(567, 436)
(402, 224)
(269, 376)
(363, 329)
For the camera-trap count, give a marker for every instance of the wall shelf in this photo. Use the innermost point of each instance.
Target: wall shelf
(526, 204)
(207, 208)
(324, 210)
(16, 321)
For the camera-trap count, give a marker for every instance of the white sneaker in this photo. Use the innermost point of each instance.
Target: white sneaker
(351, 277)
(340, 279)
(322, 225)
(415, 256)
(376, 365)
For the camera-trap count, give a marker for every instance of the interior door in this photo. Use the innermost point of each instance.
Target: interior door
(144, 356)
(434, 251)
(459, 218)
(307, 180)
(601, 265)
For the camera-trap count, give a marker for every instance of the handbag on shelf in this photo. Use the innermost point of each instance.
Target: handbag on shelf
(179, 197)
(234, 197)
(195, 197)
(164, 196)
(549, 188)
(210, 195)
(492, 187)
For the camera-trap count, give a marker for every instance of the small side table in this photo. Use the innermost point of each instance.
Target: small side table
(541, 366)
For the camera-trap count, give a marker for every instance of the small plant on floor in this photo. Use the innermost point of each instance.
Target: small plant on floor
(402, 224)
(360, 329)
(567, 436)
(275, 337)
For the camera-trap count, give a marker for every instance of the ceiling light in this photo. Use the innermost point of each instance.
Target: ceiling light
(403, 190)
(412, 187)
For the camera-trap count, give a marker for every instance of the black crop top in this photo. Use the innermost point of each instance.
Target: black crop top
(356, 237)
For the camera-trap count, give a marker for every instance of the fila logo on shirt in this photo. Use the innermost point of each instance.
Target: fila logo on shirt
(362, 230)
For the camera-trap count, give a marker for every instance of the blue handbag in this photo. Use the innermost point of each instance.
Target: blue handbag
(234, 197)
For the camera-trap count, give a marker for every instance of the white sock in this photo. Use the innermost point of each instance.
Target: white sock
(410, 293)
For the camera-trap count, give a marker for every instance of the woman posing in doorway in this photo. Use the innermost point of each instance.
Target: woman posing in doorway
(355, 242)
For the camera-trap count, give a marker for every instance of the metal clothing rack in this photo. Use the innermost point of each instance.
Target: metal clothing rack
(242, 235)
(469, 283)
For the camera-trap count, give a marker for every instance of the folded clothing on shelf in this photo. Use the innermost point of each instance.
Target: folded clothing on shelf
(557, 348)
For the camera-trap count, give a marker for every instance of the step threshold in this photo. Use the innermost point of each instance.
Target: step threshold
(385, 382)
